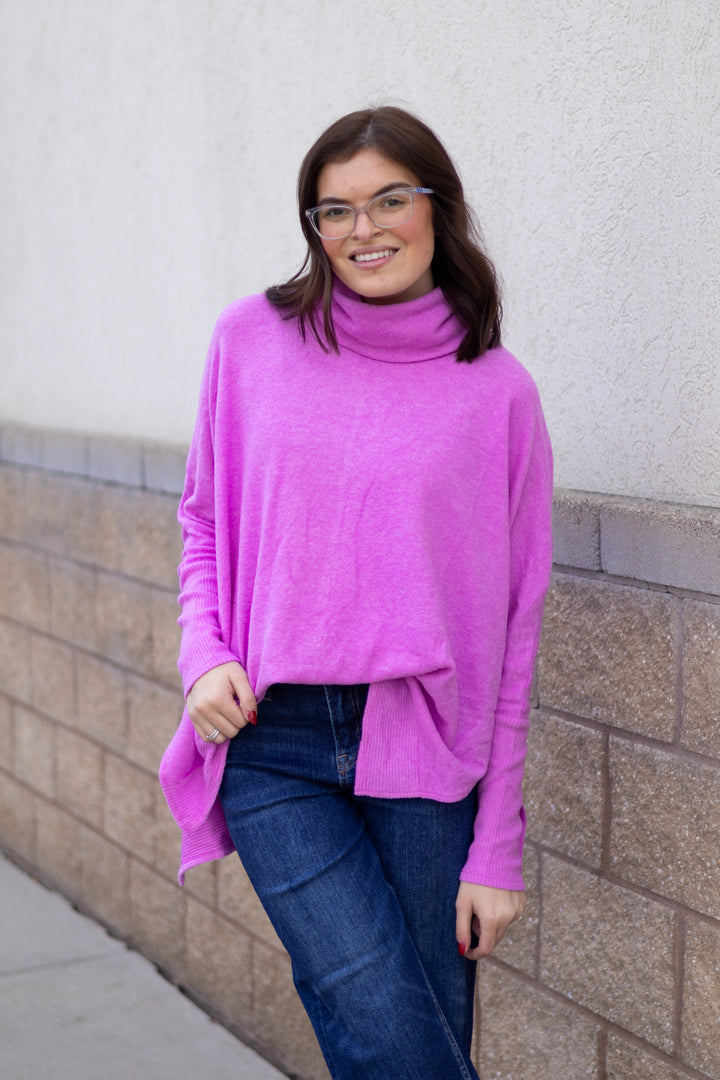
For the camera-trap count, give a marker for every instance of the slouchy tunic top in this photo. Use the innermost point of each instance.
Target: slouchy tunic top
(379, 515)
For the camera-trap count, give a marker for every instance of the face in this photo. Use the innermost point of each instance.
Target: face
(398, 266)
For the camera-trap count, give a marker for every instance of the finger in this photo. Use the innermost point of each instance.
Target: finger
(215, 710)
(215, 729)
(215, 719)
(463, 925)
(489, 930)
(487, 940)
(215, 736)
(244, 696)
(228, 719)
(210, 717)
(211, 703)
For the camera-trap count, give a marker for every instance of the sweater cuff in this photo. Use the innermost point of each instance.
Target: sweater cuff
(193, 664)
(495, 855)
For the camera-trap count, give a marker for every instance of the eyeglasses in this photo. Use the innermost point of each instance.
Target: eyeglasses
(333, 221)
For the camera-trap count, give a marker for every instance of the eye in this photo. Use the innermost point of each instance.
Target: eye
(335, 213)
(395, 200)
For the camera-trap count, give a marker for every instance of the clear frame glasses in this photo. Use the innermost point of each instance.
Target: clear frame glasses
(334, 221)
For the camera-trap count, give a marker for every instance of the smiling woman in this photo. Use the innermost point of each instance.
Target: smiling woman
(367, 548)
(407, 152)
(386, 262)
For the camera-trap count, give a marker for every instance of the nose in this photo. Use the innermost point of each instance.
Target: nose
(364, 225)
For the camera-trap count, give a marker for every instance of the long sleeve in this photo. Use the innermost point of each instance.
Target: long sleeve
(202, 646)
(495, 857)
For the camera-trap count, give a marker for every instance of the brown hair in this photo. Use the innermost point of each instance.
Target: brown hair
(460, 267)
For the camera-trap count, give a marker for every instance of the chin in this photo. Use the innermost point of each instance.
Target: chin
(379, 293)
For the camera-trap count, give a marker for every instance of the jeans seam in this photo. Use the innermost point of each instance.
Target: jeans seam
(325, 1045)
(448, 1032)
(340, 758)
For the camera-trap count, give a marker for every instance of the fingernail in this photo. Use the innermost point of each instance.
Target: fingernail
(252, 717)
(462, 948)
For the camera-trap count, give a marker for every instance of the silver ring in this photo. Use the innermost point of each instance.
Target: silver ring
(213, 735)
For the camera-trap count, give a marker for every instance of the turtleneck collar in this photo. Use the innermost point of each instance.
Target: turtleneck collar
(422, 329)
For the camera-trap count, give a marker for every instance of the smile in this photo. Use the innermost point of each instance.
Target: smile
(373, 256)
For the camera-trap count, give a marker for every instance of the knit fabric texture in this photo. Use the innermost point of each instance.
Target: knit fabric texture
(379, 515)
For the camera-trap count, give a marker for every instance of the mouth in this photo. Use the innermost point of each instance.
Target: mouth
(370, 257)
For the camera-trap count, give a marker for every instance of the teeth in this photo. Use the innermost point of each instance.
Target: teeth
(372, 256)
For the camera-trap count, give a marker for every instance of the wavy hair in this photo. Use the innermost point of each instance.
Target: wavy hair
(460, 266)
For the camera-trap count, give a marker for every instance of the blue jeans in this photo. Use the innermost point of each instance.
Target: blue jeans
(361, 891)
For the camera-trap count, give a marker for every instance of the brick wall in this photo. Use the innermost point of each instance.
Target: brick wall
(615, 970)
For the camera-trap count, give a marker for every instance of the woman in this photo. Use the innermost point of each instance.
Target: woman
(367, 537)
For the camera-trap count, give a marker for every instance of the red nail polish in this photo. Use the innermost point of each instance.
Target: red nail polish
(252, 717)
(462, 948)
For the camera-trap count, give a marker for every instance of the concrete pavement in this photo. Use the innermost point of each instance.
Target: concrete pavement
(75, 1004)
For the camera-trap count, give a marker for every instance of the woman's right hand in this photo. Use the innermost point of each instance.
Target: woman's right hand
(222, 700)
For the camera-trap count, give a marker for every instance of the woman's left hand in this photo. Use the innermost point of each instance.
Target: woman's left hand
(487, 912)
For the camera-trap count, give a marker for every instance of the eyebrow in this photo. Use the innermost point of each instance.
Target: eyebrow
(381, 191)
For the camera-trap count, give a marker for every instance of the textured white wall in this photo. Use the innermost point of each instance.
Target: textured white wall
(141, 141)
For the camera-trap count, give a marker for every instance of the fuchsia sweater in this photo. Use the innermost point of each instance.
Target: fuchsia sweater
(379, 516)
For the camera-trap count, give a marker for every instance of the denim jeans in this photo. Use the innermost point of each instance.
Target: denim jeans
(361, 891)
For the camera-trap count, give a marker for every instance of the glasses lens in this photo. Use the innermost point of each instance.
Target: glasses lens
(337, 220)
(393, 208)
(332, 221)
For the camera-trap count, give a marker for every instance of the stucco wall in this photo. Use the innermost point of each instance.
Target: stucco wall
(151, 152)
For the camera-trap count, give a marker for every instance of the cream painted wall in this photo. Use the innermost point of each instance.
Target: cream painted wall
(143, 138)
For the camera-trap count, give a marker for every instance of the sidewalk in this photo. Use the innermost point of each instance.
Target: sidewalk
(75, 1004)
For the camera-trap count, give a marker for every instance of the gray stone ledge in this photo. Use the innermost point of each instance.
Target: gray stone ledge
(669, 544)
(111, 459)
(22, 445)
(576, 529)
(119, 461)
(165, 468)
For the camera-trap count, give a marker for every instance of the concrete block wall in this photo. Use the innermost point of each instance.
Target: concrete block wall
(89, 698)
(613, 974)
